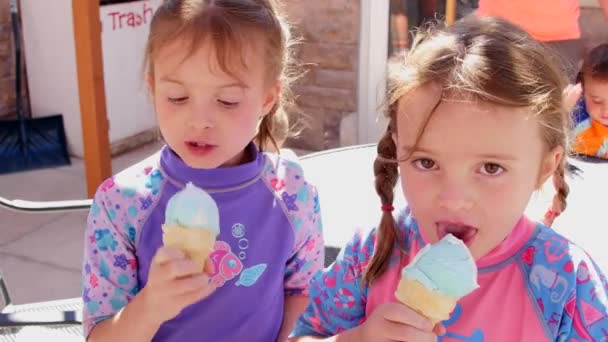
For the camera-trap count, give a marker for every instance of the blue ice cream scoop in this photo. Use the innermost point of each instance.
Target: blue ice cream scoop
(446, 267)
(193, 207)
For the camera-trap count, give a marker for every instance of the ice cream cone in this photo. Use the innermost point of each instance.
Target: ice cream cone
(431, 304)
(196, 243)
(191, 223)
(438, 276)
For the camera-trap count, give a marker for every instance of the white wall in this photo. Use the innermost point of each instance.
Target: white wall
(51, 65)
(373, 55)
(128, 104)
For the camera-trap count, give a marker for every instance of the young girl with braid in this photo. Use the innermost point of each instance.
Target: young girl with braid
(476, 126)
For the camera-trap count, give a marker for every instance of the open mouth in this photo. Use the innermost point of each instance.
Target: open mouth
(460, 231)
(199, 147)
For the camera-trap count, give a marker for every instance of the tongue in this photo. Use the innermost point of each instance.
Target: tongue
(459, 231)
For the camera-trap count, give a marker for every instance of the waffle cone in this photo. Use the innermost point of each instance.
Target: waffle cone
(196, 243)
(431, 304)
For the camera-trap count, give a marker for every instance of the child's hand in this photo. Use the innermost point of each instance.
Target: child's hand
(397, 322)
(570, 96)
(174, 282)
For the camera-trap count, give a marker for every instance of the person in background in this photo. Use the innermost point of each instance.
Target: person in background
(553, 22)
(407, 15)
(588, 102)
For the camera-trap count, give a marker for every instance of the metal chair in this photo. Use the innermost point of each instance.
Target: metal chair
(62, 318)
(59, 314)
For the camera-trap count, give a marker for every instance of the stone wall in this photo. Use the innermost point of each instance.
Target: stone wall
(329, 51)
(7, 78)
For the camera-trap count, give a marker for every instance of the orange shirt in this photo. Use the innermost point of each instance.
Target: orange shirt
(592, 141)
(545, 20)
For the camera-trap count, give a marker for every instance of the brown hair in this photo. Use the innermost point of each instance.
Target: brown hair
(484, 59)
(228, 25)
(595, 64)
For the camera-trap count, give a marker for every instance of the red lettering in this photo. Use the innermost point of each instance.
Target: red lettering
(147, 10)
(121, 17)
(114, 16)
(131, 19)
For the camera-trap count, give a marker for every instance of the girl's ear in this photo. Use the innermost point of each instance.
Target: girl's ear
(549, 164)
(271, 98)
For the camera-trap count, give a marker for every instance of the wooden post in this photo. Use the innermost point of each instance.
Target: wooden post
(450, 11)
(95, 128)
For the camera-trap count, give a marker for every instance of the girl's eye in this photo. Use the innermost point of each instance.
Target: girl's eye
(178, 100)
(492, 169)
(424, 164)
(227, 104)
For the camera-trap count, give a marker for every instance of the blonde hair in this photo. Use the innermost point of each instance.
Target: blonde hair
(484, 59)
(228, 25)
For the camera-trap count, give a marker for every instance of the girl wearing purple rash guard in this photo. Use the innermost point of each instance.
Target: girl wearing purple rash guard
(218, 75)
